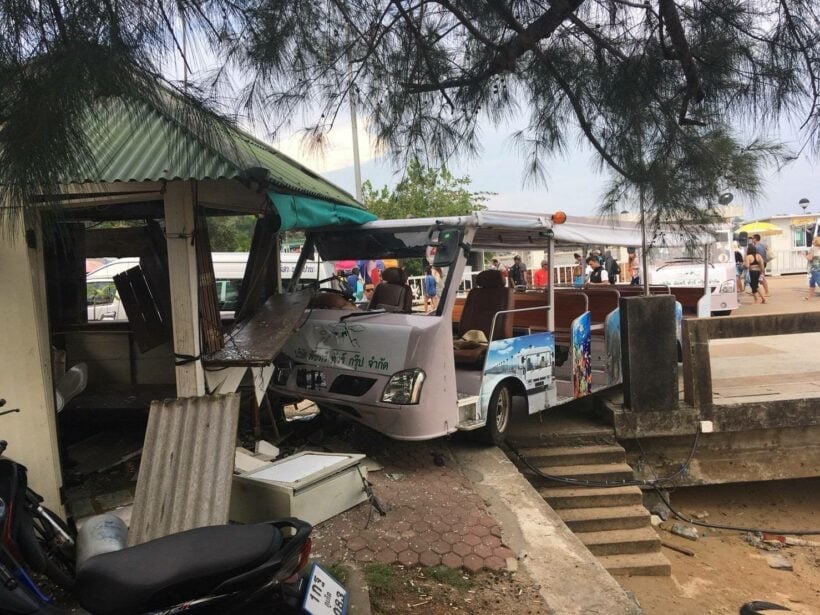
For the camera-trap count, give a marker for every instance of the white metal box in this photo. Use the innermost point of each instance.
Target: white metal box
(310, 486)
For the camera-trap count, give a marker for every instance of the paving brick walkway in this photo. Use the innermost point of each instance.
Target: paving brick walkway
(434, 516)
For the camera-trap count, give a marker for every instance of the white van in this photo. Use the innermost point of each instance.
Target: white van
(103, 302)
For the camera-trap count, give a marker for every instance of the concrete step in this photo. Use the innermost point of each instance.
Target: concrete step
(621, 542)
(545, 430)
(604, 518)
(586, 497)
(607, 472)
(639, 564)
(574, 455)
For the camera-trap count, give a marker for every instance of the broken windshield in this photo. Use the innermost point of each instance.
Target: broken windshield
(368, 244)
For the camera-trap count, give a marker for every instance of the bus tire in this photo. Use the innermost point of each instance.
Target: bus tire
(499, 415)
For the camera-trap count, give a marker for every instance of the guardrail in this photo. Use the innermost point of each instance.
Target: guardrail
(697, 332)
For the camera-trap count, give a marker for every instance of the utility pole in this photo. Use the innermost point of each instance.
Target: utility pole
(357, 169)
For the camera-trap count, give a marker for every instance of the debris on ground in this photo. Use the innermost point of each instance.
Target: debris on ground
(701, 515)
(686, 531)
(656, 520)
(661, 510)
(779, 562)
(245, 461)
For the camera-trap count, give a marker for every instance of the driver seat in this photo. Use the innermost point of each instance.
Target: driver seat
(490, 295)
(392, 293)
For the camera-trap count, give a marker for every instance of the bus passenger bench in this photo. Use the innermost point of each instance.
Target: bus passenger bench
(489, 297)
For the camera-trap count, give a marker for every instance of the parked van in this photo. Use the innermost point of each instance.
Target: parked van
(103, 303)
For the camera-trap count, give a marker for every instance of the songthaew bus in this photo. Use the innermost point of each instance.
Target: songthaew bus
(415, 376)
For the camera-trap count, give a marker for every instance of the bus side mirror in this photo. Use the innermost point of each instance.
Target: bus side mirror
(447, 246)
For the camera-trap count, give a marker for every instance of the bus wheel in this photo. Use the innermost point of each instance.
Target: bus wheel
(499, 415)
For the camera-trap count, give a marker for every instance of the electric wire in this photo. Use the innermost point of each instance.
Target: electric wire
(615, 483)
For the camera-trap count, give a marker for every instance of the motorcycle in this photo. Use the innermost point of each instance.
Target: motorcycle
(220, 568)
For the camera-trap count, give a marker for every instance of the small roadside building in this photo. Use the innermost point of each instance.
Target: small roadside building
(159, 173)
(787, 250)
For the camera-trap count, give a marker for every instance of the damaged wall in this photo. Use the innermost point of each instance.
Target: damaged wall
(25, 367)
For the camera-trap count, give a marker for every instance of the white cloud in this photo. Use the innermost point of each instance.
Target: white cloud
(338, 154)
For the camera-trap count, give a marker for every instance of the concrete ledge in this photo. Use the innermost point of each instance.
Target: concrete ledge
(775, 414)
(570, 578)
(680, 422)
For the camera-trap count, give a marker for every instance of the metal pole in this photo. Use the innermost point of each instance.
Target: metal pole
(184, 54)
(644, 260)
(706, 289)
(551, 283)
(357, 169)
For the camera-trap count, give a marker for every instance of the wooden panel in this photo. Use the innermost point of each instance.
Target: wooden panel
(65, 275)
(182, 275)
(105, 353)
(260, 258)
(119, 242)
(149, 329)
(257, 341)
(209, 318)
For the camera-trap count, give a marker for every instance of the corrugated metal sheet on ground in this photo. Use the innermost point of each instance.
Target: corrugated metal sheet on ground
(187, 466)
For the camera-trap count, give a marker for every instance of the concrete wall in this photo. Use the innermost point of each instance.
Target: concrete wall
(25, 367)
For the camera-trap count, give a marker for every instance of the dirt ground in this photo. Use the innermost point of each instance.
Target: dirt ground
(726, 571)
(440, 591)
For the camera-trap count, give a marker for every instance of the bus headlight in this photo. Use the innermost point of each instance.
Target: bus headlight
(728, 286)
(404, 387)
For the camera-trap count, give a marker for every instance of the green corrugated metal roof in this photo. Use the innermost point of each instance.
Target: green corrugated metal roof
(138, 141)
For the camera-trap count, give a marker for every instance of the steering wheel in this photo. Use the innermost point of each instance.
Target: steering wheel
(346, 294)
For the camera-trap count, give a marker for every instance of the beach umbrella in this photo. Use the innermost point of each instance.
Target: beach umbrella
(345, 265)
(760, 228)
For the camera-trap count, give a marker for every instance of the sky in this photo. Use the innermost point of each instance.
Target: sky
(573, 183)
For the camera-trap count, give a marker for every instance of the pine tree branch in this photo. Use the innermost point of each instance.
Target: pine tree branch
(423, 49)
(804, 52)
(574, 100)
(576, 21)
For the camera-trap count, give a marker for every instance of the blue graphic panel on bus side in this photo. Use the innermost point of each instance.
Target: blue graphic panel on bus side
(527, 358)
(581, 355)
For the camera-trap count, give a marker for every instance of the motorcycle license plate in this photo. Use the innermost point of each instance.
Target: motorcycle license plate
(324, 595)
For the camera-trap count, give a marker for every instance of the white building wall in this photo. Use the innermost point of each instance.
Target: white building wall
(25, 368)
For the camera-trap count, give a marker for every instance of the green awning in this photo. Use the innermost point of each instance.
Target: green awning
(303, 212)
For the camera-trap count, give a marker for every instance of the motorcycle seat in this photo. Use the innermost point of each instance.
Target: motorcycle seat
(173, 569)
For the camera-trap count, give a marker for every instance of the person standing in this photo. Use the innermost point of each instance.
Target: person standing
(813, 257)
(754, 264)
(739, 271)
(578, 271)
(633, 267)
(540, 277)
(353, 280)
(597, 274)
(613, 270)
(518, 272)
(429, 290)
(760, 248)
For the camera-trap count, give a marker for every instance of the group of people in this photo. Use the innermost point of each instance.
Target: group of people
(518, 275)
(594, 269)
(751, 269)
(604, 269)
(362, 290)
